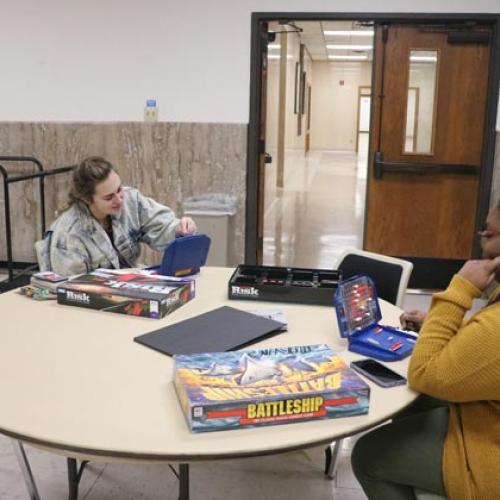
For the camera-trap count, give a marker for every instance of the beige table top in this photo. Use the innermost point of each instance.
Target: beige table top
(72, 380)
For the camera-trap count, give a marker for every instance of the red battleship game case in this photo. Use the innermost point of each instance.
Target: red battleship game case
(358, 316)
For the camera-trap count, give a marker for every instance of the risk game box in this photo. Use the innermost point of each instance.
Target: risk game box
(241, 389)
(284, 284)
(133, 293)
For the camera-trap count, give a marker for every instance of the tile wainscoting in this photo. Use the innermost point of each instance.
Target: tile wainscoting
(166, 161)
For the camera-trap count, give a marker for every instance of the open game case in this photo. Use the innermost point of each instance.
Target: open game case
(184, 256)
(284, 284)
(358, 316)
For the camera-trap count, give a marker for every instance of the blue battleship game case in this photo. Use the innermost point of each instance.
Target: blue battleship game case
(184, 256)
(358, 316)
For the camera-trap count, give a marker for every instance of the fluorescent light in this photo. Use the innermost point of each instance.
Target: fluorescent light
(423, 58)
(274, 46)
(349, 33)
(349, 58)
(349, 47)
(277, 56)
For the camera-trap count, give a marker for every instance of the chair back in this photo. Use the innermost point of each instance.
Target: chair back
(390, 274)
(425, 495)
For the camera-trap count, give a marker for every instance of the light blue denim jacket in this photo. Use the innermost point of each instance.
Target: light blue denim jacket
(76, 243)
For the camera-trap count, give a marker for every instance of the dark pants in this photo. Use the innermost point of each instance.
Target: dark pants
(393, 459)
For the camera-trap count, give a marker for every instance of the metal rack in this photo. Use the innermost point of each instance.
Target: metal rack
(16, 278)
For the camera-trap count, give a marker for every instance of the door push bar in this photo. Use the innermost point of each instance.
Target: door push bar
(381, 167)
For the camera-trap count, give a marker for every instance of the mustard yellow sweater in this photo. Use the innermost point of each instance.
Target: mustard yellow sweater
(459, 361)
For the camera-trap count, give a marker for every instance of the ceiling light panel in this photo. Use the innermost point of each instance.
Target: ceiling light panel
(349, 32)
(348, 47)
(348, 58)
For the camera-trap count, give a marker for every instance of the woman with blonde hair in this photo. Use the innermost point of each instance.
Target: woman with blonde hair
(105, 223)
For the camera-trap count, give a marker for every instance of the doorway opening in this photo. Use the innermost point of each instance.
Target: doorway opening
(318, 85)
(418, 147)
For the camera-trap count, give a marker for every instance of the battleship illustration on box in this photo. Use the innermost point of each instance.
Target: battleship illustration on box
(231, 390)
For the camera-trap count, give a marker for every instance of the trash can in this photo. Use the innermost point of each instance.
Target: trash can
(211, 213)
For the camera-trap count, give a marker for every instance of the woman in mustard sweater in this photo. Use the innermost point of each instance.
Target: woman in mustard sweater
(452, 445)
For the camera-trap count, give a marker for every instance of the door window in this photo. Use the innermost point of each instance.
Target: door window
(421, 102)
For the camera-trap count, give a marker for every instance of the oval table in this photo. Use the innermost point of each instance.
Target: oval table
(73, 382)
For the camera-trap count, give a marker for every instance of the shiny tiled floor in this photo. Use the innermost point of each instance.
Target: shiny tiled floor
(318, 212)
(297, 475)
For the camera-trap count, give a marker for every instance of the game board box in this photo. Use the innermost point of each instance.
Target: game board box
(241, 389)
(284, 284)
(134, 293)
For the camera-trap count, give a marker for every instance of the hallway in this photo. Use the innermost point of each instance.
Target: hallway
(320, 210)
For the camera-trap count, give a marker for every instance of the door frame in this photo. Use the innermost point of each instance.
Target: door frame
(255, 147)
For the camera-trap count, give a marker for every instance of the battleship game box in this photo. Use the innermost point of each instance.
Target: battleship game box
(241, 389)
(133, 293)
(284, 284)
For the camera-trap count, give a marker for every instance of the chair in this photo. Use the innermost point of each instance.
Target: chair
(425, 495)
(391, 276)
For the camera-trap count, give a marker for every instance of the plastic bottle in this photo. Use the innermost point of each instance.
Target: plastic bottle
(151, 111)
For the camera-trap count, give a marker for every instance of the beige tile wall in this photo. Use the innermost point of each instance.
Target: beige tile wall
(167, 161)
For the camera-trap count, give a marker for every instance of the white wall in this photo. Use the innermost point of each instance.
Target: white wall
(86, 60)
(292, 140)
(335, 105)
(272, 103)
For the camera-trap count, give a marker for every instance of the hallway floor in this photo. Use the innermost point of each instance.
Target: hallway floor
(318, 212)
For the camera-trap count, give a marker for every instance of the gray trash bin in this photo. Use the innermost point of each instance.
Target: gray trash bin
(211, 213)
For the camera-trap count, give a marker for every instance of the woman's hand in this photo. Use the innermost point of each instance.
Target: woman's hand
(412, 319)
(186, 226)
(480, 272)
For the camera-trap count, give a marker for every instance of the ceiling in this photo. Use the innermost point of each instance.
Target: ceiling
(316, 41)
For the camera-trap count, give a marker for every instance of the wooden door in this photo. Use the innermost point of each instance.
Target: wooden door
(422, 202)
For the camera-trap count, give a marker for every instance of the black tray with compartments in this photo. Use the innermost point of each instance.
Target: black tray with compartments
(284, 284)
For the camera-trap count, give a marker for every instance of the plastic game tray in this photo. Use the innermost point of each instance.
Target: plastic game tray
(184, 256)
(284, 284)
(358, 316)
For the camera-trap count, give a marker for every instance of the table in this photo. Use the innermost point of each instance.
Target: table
(73, 381)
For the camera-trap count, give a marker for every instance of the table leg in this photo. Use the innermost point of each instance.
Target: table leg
(331, 456)
(74, 476)
(183, 481)
(26, 470)
(72, 479)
